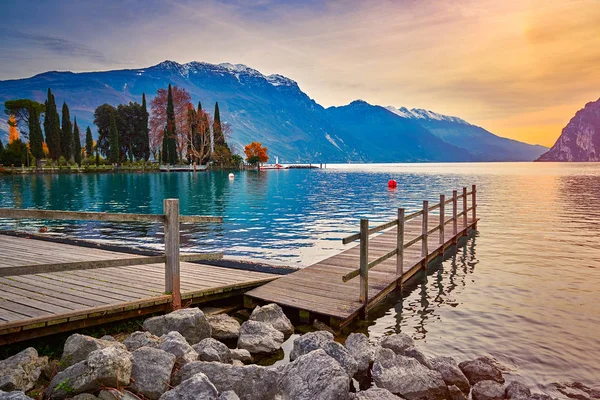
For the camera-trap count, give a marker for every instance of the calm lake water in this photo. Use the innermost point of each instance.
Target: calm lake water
(524, 290)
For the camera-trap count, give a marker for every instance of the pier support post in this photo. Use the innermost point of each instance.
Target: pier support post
(364, 262)
(425, 225)
(464, 212)
(400, 244)
(172, 275)
(442, 218)
(454, 215)
(474, 204)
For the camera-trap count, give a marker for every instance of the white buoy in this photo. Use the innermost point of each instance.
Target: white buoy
(231, 176)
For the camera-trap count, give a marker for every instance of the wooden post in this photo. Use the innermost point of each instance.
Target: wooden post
(465, 219)
(172, 278)
(400, 244)
(424, 249)
(442, 217)
(454, 215)
(474, 203)
(364, 261)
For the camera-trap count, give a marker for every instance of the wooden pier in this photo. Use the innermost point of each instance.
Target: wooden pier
(345, 286)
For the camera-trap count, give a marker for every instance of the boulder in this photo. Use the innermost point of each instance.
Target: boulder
(141, 339)
(190, 322)
(250, 382)
(398, 343)
(418, 355)
(151, 371)
(115, 394)
(259, 337)
(451, 374)
(108, 367)
(314, 376)
(342, 356)
(237, 363)
(273, 314)
(197, 387)
(517, 391)
(229, 395)
(223, 327)
(175, 343)
(361, 349)
(108, 338)
(78, 347)
(21, 371)
(488, 390)
(18, 395)
(210, 349)
(242, 355)
(481, 369)
(540, 396)
(84, 396)
(407, 377)
(309, 342)
(455, 393)
(376, 393)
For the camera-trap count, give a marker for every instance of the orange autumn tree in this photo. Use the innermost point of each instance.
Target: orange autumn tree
(255, 153)
(13, 132)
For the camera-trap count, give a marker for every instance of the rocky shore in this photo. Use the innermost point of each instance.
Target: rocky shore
(181, 356)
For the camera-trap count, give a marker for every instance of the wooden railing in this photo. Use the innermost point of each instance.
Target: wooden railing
(172, 257)
(401, 244)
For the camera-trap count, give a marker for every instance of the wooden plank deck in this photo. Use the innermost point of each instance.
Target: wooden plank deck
(319, 288)
(40, 304)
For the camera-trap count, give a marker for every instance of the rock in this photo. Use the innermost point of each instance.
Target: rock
(197, 387)
(14, 396)
(190, 322)
(321, 326)
(175, 343)
(415, 353)
(141, 339)
(251, 382)
(540, 396)
(108, 338)
(315, 375)
(309, 342)
(451, 374)
(376, 393)
(481, 369)
(84, 396)
(361, 349)
(223, 326)
(78, 347)
(398, 343)
(212, 350)
(455, 393)
(407, 377)
(114, 394)
(151, 371)
(488, 390)
(342, 356)
(242, 355)
(229, 395)
(21, 371)
(273, 314)
(237, 363)
(108, 367)
(517, 391)
(259, 337)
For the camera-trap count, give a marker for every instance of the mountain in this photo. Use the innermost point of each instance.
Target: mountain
(580, 139)
(482, 144)
(273, 110)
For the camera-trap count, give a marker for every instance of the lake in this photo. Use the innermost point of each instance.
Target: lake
(524, 290)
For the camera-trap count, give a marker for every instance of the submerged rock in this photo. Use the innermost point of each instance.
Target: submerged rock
(151, 371)
(190, 322)
(398, 343)
(78, 347)
(451, 373)
(223, 327)
(273, 314)
(212, 350)
(21, 371)
(517, 391)
(141, 339)
(197, 387)
(481, 369)
(259, 337)
(175, 343)
(488, 390)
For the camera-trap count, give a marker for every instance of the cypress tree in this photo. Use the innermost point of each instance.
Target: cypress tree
(66, 138)
(219, 139)
(113, 141)
(164, 156)
(97, 157)
(1, 147)
(89, 142)
(76, 143)
(145, 130)
(35, 135)
(52, 127)
(171, 131)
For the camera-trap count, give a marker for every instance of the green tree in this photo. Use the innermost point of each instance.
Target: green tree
(15, 153)
(66, 138)
(36, 138)
(1, 147)
(171, 130)
(76, 143)
(97, 157)
(89, 142)
(22, 109)
(219, 139)
(52, 127)
(145, 133)
(113, 152)
(164, 157)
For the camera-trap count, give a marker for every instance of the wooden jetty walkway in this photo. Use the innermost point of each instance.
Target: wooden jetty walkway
(86, 286)
(348, 284)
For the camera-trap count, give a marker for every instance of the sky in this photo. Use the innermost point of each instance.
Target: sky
(519, 68)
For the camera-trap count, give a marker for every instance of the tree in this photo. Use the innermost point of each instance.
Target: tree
(219, 139)
(145, 134)
(52, 127)
(89, 142)
(13, 132)
(76, 143)
(164, 153)
(15, 153)
(205, 142)
(171, 129)
(102, 116)
(22, 109)
(113, 152)
(36, 138)
(255, 153)
(158, 116)
(1, 147)
(66, 138)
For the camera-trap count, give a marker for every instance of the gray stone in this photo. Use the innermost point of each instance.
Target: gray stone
(78, 347)
(223, 326)
(108, 338)
(18, 395)
(309, 342)
(488, 390)
(259, 337)
(342, 356)
(451, 374)
(114, 394)
(84, 396)
(361, 349)
(229, 395)
(237, 363)
(517, 391)
(407, 377)
(250, 382)
(141, 339)
(455, 393)
(108, 367)
(376, 393)
(175, 343)
(540, 396)
(481, 369)
(212, 350)
(321, 326)
(418, 355)
(151, 371)
(314, 376)
(21, 371)
(273, 314)
(398, 343)
(242, 355)
(190, 322)
(197, 387)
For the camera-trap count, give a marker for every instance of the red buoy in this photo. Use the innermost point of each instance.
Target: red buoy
(392, 184)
